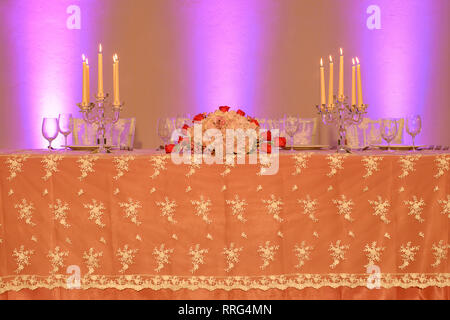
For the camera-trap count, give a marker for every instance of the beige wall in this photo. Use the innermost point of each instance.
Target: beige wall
(180, 56)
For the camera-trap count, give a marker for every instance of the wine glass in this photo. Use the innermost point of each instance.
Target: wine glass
(65, 126)
(388, 130)
(50, 130)
(164, 130)
(413, 127)
(291, 127)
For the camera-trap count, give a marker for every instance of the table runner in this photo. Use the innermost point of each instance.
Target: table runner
(138, 221)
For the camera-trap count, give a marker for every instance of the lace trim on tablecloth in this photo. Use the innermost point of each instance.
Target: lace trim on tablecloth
(158, 282)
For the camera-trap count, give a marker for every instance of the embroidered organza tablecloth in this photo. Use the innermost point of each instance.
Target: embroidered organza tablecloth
(136, 225)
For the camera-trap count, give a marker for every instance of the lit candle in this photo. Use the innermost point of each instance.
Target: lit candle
(330, 83)
(353, 83)
(84, 99)
(341, 77)
(100, 93)
(358, 72)
(88, 93)
(116, 80)
(322, 84)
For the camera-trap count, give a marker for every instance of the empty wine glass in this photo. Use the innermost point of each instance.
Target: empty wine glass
(50, 130)
(291, 127)
(164, 130)
(388, 130)
(65, 126)
(413, 127)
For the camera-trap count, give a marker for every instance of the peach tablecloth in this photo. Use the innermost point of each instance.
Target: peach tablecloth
(136, 222)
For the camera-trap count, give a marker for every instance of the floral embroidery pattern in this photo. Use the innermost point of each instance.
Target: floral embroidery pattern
(445, 206)
(192, 168)
(86, 164)
(91, 258)
(274, 207)
(131, 210)
(126, 257)
(335, 162)
(57, 259)
(60, 212)
(415, 208)
(373, 253)
(337, 252)
(121, 164)
(51, 165)
(197, 257)
(408, 254)
(238, 207)
(162, 256)
(232, 256)
(159, 164)
(22, 258)
(371, 165)
(442, 164)
(15, 164)
(407, 163)
(301, 162)
(25, 211)
(202, 208)
(439, 252)
(344, 207)
(167, 209)
(267, 253)
(302, 252)
(309, 207)
(380, 208)
(96, 212)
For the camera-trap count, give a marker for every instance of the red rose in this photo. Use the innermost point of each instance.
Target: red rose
(224, 108)
(282, 142)
(169, 148)
(267, 147)
(255, 122)
(180, 138)
(199, 117)
(240, 112)
(185, 127)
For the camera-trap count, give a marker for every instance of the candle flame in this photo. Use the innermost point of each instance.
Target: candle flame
(87, 61)
(100, 48)
(331, 59)
(342, 52)
(115, 58)
(353, 61)
(321, 62)
(357, 60)
(83, 57)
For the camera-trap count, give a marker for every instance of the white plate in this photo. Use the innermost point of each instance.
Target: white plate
(397, 147)
(308, 147)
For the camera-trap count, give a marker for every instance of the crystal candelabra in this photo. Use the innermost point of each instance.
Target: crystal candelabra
(96, 113)
(342, 115)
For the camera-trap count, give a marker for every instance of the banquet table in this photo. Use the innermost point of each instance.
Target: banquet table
(133, 224)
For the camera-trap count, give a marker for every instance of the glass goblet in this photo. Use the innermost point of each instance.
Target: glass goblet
(388, 130)
(65, 125)
(291, 127)
(50, 130)
(413, 127)
(163, 130)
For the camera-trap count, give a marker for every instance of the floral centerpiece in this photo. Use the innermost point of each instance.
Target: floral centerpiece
(222, 120)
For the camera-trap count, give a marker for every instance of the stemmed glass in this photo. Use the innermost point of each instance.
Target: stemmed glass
(290, 127)
(65, 126)
(50, 130)
(413, 127)
(164, 129)
(388, 130)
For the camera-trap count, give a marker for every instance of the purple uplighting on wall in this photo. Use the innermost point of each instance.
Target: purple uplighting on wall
(397, 59)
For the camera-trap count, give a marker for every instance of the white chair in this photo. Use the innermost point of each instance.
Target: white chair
(368, 133)
(119, 134)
